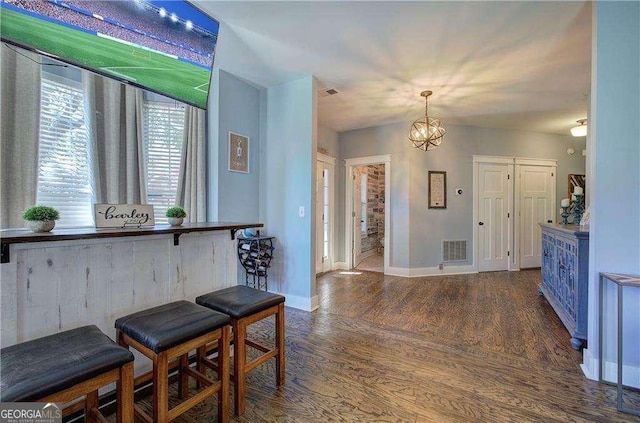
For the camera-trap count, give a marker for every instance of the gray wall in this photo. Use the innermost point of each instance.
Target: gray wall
(417, 232)
(615, 197)
(386, 139)
(287, 172)
(234, 106)
(328, 139)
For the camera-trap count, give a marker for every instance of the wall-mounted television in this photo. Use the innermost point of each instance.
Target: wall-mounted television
(167, 47)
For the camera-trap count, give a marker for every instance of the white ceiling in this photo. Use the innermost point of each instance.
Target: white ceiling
(521, 65)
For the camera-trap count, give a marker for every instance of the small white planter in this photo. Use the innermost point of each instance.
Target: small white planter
(176, 221)
(41, 225)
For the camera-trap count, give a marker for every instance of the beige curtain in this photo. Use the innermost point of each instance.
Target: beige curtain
(192, 190)
(20, 117)
(115, 116)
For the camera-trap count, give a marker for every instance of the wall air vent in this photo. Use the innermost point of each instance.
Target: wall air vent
(454, 251)
(327, 92)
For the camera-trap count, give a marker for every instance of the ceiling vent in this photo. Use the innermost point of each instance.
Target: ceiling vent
(327, 92)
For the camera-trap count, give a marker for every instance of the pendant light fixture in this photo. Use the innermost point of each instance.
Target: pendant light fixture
(581, 129)
(426, 133)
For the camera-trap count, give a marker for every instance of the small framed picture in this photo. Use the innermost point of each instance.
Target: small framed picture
(437, 189)
(238, 153)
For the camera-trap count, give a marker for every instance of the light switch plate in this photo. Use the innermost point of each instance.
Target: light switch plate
(301, 211)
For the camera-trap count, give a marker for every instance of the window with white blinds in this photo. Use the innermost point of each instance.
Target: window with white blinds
(163, 131)
(65, 180)
(64, 171)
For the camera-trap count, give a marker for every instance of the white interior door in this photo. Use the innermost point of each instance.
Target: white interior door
(536, 205)
(324, 216)
(493, 217)
(319, 217)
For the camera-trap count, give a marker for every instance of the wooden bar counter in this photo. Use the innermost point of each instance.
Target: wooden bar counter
(72, 277)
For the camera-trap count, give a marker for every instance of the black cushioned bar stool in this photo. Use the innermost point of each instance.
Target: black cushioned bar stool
(66, 366)
(246, 306)
(170, 332)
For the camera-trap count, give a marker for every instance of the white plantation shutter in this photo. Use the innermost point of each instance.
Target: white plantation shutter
(163, 132)
(64, 180)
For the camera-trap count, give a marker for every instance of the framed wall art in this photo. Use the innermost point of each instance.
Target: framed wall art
(238, 153)
(437, 189)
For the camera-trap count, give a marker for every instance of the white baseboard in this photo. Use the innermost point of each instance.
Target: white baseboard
(301, 303)
(415, 272)
(397, 271)
(340, 265)
(315, 303)
(589, 365)
(630, 374)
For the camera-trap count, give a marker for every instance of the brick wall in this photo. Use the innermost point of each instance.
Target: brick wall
(375, 206)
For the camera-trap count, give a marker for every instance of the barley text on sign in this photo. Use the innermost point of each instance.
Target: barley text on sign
(123, 215)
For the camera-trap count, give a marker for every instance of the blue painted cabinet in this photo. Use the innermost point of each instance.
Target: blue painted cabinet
(565, 266)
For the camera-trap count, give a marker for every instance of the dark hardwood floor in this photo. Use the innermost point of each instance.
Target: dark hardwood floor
(472, 348)
(498, 311)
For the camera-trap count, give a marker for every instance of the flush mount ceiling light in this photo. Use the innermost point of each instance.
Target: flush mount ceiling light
(581, 129)
(426, 133)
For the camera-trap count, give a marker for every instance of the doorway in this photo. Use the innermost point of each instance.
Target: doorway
(368, 228)
(367, 200)
(325, 206)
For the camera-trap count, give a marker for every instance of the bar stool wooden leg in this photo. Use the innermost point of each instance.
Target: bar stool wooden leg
(120, 340)
(280, 345)
(201, 355)
(160, 388)
(223, 375)
(91, 405)
(124, 394)
(183, 377)
(239, 361)
(124, 388)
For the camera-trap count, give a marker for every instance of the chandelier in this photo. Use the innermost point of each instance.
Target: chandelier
(426, 133)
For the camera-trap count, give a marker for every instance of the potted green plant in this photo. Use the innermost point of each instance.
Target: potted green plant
(41, 218)
(176, 215)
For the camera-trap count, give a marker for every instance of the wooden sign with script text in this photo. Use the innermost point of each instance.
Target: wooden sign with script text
(123, 215)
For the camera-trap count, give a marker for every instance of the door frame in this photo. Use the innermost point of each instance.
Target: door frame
(348, 220)
(358, 192)
(477, 160)
(331, 163)
(553, 164)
